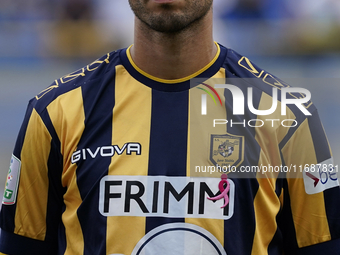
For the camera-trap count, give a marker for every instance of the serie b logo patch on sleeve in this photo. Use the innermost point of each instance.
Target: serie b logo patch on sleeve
(12, 182)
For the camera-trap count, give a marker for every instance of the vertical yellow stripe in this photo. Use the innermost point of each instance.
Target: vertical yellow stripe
(30, 217)
(271, 133)
(200, 127)
(199, 130)
(132, 109)
(308, 211)
(67, 116)
(74, 233)
(266, 207)
(266, 202)
(309, 214)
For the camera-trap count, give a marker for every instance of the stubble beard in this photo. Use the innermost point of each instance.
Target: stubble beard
(170, 22)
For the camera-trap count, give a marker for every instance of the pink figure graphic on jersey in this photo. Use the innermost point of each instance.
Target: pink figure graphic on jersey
(224, 191)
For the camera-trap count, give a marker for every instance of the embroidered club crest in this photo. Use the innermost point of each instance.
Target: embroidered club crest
(226, 150)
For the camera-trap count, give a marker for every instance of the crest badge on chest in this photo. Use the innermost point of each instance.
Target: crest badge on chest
(226, 150)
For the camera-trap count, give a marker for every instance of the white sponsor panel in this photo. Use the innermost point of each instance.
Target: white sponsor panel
(176, 197)
(178, 239)
(320, 177)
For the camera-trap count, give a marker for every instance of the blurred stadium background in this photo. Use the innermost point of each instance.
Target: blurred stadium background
(42, 40)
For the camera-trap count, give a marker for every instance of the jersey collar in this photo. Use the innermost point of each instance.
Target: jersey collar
(172, 85)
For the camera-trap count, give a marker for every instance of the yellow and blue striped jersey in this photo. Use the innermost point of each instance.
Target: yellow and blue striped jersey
(110, 160)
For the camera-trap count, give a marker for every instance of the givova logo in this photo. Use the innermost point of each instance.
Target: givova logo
(106, 151)
(176, 197)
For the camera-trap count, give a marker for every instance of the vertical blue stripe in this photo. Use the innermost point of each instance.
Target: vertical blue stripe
(56, 191)
(275, 246)
(240, 229)
(98, 99)
(168, 141)
(62, 243)
(319, 138)
(240, 125)
(286, 224)
(169, 133)
(332, 205)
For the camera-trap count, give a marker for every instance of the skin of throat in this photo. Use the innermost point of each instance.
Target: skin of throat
(174, 55)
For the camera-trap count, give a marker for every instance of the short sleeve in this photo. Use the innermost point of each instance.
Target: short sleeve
(311, 198)
(32, 202)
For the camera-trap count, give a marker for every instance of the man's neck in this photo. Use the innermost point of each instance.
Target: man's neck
(174, 56)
